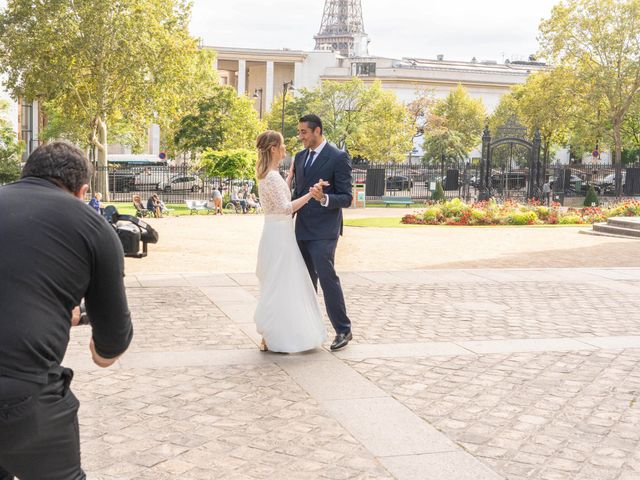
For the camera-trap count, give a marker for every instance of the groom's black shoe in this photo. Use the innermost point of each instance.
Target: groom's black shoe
(341, 340)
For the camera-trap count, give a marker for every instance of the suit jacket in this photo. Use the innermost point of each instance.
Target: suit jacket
(313, 221)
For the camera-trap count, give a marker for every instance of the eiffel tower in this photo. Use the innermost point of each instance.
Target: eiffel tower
(342, 28)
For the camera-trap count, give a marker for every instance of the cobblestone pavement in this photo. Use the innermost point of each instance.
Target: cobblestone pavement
(529, 416)
(176, 321)
(204, 423)
(452, 375)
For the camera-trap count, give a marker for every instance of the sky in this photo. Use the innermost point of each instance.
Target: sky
(458, 29)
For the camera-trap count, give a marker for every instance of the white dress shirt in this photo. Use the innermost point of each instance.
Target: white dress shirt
(318, 149)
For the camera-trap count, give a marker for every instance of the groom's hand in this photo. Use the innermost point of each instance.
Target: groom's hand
(317, 190)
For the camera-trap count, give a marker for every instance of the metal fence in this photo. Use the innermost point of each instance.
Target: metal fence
(172, 184)
(506, 182)
(459, 180)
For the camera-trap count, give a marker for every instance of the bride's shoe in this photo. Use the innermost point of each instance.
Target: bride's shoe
(263, 346)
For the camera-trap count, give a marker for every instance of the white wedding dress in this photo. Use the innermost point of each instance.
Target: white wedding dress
(288, 315)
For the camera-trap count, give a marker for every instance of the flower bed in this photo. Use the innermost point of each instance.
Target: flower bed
(456, 212)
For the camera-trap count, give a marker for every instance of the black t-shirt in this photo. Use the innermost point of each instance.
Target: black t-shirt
(55, 250)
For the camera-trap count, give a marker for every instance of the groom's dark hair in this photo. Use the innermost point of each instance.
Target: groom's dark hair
(313, 121)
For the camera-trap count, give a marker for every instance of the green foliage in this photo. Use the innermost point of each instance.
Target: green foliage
(341, 105)
(508, 108)
(10, 149)
(547, 102)
(222, 121)
(443, 143)
(232, 163)
(464, 115)
(456, 212)
(591, 198)
(438, 195)
(386, 132)
(631, 129)
(94, 63)
(295, 107)
(597, 40)
(366, 120)
(522, 218)
(421, 111)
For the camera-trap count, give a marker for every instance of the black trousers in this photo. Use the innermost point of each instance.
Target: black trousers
(319, 256)
(39, 436)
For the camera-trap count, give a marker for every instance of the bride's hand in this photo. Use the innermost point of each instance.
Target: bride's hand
(316, 191)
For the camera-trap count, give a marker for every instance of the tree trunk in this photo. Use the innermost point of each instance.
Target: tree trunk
(617, 138)
(545, 162)
(100, 144)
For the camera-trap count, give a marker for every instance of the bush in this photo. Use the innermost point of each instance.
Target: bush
(432, 215)
(456, 212)
(438, 195)
(522, 218)
(592, 198)
(570, 219)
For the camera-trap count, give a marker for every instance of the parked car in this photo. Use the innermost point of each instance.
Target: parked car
(358, 175)
(608, 183)
(181, 183)
(148, 178)
(121, 181)
(509, 181)
(399, 182)
(577, 186)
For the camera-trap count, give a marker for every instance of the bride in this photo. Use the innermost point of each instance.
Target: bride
(288, 315)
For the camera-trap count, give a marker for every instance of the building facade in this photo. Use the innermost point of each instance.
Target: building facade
(257, 71)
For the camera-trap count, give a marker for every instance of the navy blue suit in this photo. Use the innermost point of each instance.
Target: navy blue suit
(318, 227)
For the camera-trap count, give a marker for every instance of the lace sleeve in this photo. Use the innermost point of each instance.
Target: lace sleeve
(275, 196)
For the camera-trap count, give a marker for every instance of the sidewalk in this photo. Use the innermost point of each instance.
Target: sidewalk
(452, 375)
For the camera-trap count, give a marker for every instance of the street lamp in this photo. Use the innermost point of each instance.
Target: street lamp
(286, 86)
(257, 94)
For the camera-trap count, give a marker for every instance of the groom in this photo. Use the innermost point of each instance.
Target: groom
(319, 222)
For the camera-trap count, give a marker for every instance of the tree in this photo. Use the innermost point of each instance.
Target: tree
(232, 163)
(341, 106)
(421, 111)
(545, 102)
(222, 121)
(438, 194)
(199, 81)
(97, 59)
(386, 130)
(365, 120)
(464, 115)
(10, 149)
(508, 109)
(631, 126)
(591, 198)
(444, 146)
(295, 107)
(598, 40)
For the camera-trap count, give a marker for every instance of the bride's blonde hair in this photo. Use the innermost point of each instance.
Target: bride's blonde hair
(264, 143)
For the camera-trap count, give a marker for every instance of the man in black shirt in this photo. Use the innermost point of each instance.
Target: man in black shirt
(54, 251)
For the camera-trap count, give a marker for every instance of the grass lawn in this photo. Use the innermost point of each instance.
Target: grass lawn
(382, 205)
(383, 222)
(177, 209)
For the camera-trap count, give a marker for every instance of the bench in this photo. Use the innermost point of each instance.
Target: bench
(397, 201)
(195, 206)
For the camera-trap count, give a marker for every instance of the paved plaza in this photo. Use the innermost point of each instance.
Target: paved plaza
(460, 374)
